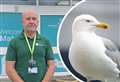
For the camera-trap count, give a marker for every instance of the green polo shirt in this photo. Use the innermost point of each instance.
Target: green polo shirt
(18, 51)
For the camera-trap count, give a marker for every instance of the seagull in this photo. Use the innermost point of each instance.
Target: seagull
(91, 55)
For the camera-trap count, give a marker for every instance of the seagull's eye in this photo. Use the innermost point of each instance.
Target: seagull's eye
(87, 20)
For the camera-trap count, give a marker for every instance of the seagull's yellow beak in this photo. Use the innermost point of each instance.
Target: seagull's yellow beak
(103, 25)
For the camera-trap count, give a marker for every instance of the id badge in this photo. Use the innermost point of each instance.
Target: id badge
(32, 68)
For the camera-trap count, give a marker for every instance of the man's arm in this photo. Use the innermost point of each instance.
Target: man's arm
(50, 71)
(11, 72)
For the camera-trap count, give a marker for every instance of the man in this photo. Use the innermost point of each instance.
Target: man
(29, 56)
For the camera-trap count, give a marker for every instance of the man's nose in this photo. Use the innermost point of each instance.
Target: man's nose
(31, 20)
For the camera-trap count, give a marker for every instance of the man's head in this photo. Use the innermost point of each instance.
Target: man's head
(30, 20)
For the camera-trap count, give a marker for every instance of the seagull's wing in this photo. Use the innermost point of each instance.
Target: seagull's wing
(112, 51)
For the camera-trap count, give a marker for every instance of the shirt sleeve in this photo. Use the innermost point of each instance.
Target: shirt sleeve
(11, 51)
(49, 52)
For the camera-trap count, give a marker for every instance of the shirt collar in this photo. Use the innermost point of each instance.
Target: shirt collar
(22, 36)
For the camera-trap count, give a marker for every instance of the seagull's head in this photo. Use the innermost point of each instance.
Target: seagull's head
(87, 23)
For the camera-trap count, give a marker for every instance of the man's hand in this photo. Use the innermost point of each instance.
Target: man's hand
(50, 71)
(11, 72)
(20, 81)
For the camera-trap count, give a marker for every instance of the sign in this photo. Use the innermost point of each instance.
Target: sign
(58, 64)
(10, 26)
(49, 27)
(2, 65)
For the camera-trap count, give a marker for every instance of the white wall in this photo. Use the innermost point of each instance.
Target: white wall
(42, 10)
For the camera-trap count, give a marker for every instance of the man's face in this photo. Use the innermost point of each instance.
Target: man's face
(30, 21)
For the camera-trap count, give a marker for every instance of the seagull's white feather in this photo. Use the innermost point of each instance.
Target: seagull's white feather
(87, 51)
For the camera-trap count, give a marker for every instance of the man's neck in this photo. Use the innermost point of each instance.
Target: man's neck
(30, 34)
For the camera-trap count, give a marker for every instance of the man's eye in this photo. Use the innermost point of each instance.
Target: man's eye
(33, 18)
(87, 20)
(28, 18)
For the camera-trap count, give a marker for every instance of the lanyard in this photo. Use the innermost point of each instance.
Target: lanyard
(33, 45)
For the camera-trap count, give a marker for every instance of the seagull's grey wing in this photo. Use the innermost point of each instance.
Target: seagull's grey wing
(109, 44)
(112, 51)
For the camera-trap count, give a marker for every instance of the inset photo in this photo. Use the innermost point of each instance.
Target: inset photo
(89, 41)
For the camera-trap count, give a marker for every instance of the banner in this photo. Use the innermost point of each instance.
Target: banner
(10, 26)
(49, 27)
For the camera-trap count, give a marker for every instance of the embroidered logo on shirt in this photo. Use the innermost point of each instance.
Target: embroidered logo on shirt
(37, 44)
